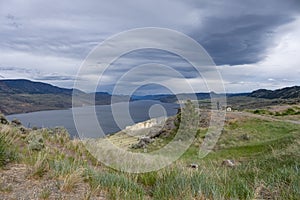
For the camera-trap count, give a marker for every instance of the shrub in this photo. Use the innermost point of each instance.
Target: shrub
(7, 153)
(3, 151)
(35, 141)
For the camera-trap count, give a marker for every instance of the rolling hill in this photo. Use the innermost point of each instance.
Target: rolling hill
(283, 93)
(21, 96)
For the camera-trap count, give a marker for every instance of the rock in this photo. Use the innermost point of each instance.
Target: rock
(35, 128)
(228, 163)
(16, 122)
(153, 133)
(24, 130)
(245, 137)
(166, 130)
(143, 125)
(143, 142)
(146, 139)
(263, 192)
(3, 120)
(194, 166)
(139, 145)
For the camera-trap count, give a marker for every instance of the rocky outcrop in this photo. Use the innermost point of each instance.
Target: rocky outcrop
(166, 129)
(146, 124)
(150, 130)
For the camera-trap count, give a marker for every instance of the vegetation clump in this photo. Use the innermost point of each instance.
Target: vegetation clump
(288, 111)
(35, 141)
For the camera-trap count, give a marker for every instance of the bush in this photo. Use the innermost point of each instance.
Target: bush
(263, 112)
(6, 153)
(35, 141)
(3, 150)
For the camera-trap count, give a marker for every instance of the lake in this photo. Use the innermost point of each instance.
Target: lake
(138, 111)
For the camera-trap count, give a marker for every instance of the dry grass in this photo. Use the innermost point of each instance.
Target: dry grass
(41, 165)
(73, 180)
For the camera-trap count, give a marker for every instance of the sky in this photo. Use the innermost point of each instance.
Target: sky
(254, 44)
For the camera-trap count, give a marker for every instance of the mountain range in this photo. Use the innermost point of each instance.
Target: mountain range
(21, 96)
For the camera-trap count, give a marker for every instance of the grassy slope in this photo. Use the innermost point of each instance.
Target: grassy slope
(268, 166)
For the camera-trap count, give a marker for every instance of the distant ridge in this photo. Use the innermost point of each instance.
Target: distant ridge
(283, 93)
(21, 96)
(171, 98)
(23, 86)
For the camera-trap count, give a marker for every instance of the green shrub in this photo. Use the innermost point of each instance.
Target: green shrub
(289, 111)
(263, 112)
(35, 141)
(3, 151)
(7, 154)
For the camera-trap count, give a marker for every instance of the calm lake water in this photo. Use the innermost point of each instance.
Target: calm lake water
(138, 110)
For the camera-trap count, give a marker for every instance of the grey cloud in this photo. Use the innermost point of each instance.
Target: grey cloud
(36, 75)
(136, 58)
(55, 78)
(246, 43)
(241, 32)
(19, 70)
(233, 32)
(74, 28)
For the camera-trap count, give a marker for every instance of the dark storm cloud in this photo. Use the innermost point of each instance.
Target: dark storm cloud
(240, 32)
(246, 42)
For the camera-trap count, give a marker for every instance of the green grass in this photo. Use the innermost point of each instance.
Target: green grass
(268, 166)
(258, 131)
(263, 136)
(117, 185)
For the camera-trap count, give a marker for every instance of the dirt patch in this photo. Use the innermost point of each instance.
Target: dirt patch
(15, 183)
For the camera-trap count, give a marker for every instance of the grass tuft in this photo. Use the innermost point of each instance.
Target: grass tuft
(73, 180)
